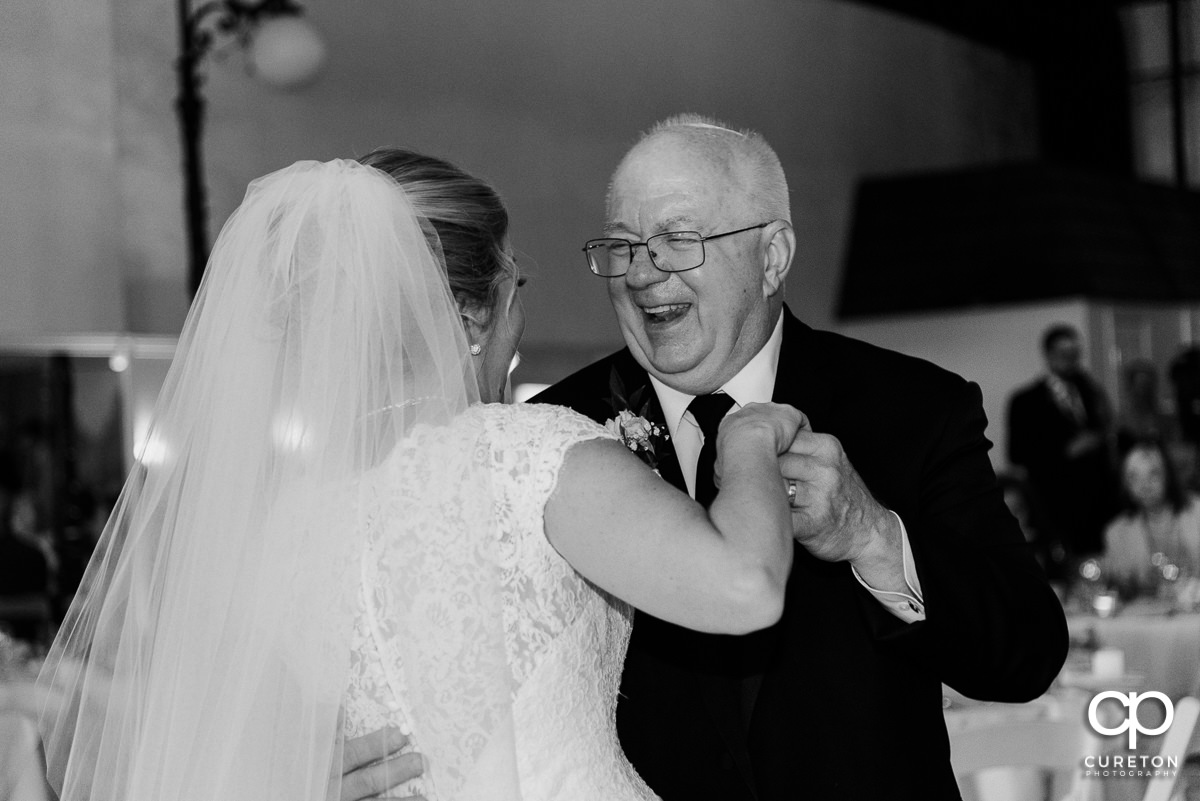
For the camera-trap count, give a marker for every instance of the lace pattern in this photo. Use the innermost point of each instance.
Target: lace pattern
(426, 626)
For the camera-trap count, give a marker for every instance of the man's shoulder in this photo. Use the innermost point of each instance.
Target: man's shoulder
(855, 360)
(590, 379)
(589, 389)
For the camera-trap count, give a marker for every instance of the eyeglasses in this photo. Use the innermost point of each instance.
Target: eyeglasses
(672, 251)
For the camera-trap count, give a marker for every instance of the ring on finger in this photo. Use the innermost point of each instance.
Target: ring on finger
(791, 493)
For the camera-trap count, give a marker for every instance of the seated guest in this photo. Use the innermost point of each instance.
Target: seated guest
(1159, 527)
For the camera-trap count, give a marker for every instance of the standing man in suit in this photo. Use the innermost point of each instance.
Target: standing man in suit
(909, 570)
(1059, 434)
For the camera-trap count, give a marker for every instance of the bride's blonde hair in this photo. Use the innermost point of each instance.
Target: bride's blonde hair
(467, 215)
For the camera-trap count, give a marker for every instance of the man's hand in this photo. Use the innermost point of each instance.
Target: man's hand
(373, 765)
(834, 515)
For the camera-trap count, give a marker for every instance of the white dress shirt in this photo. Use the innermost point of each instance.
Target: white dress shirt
(755, 383)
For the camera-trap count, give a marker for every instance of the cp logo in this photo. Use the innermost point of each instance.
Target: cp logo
(1131, 723)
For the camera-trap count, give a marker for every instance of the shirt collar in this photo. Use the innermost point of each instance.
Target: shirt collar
(754, 383)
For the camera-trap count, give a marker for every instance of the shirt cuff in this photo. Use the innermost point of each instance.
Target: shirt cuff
(908, 606)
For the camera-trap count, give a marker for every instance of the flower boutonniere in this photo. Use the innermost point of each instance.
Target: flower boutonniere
(630, 422)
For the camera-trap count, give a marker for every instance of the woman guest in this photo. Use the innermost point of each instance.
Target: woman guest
(1158, 533)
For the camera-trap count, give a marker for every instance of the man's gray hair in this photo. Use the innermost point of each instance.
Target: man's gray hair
(766, 188)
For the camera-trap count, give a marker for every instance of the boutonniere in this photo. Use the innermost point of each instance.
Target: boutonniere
(630, 421)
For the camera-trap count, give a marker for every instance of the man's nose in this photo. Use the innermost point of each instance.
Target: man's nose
(642, 272)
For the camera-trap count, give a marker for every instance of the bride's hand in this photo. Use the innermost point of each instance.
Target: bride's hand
(778, 423)
(373, 765)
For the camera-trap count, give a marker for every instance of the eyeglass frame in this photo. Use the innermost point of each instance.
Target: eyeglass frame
(646, 244)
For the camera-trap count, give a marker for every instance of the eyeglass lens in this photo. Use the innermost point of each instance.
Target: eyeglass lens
(671, 251)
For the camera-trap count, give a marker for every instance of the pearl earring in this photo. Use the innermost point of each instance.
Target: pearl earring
(476, 348)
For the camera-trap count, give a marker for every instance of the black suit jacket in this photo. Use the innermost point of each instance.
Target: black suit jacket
(1078, 494)
(849, 705)
(1039, 430)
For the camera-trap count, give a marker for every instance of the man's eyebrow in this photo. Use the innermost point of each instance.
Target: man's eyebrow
(673, 223)
(669, 224)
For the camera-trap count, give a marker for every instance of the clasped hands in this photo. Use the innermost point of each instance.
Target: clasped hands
(834, 515)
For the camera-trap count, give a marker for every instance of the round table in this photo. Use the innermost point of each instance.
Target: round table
(1163, 648)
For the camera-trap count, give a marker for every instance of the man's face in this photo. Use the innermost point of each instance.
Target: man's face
(1063, 357)
(693, 330)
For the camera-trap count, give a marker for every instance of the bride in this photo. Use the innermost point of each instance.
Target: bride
(337, 525)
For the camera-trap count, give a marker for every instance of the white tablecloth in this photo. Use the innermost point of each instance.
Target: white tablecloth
(1164, 649)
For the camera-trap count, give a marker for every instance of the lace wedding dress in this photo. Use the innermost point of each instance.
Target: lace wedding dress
(564, 639)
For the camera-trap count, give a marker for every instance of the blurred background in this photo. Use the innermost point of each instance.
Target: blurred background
(963, 176)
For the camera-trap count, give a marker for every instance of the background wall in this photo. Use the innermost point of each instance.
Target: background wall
(542, 97)
(997, 348)
(60, 244)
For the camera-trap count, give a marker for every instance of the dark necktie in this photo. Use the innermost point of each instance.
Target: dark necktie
(708, 411)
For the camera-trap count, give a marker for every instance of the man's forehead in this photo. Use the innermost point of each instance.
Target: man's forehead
(667, 203)
(667, 179)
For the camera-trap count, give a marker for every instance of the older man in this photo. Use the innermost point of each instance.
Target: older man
(909, 571)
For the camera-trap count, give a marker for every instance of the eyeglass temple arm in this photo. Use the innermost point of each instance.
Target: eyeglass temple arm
(738, 231)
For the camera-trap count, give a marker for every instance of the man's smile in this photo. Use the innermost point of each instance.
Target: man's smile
(665, 313)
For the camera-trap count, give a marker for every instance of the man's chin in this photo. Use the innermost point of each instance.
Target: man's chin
(685, 372)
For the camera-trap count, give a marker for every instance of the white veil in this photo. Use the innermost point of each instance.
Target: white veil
(206, 654)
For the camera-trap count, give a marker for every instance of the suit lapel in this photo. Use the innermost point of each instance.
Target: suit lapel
(630, 389)
(668, 462)
(810, 393)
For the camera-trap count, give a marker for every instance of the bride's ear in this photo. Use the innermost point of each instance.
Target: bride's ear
(478, 324)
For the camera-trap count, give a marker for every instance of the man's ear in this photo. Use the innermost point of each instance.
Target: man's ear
(777, 260)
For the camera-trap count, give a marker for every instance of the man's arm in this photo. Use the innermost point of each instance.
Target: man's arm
(995, 627)
(835, 517)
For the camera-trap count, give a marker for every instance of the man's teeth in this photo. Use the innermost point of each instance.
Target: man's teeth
(664, 309)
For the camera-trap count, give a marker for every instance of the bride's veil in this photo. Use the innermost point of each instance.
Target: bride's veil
(207, 652)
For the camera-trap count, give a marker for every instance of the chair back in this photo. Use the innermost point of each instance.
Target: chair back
(1174, 744)
(1052, 745)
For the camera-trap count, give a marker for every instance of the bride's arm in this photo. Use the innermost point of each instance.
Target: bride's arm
(641, 539)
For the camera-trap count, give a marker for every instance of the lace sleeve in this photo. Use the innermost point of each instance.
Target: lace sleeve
(529, 443)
